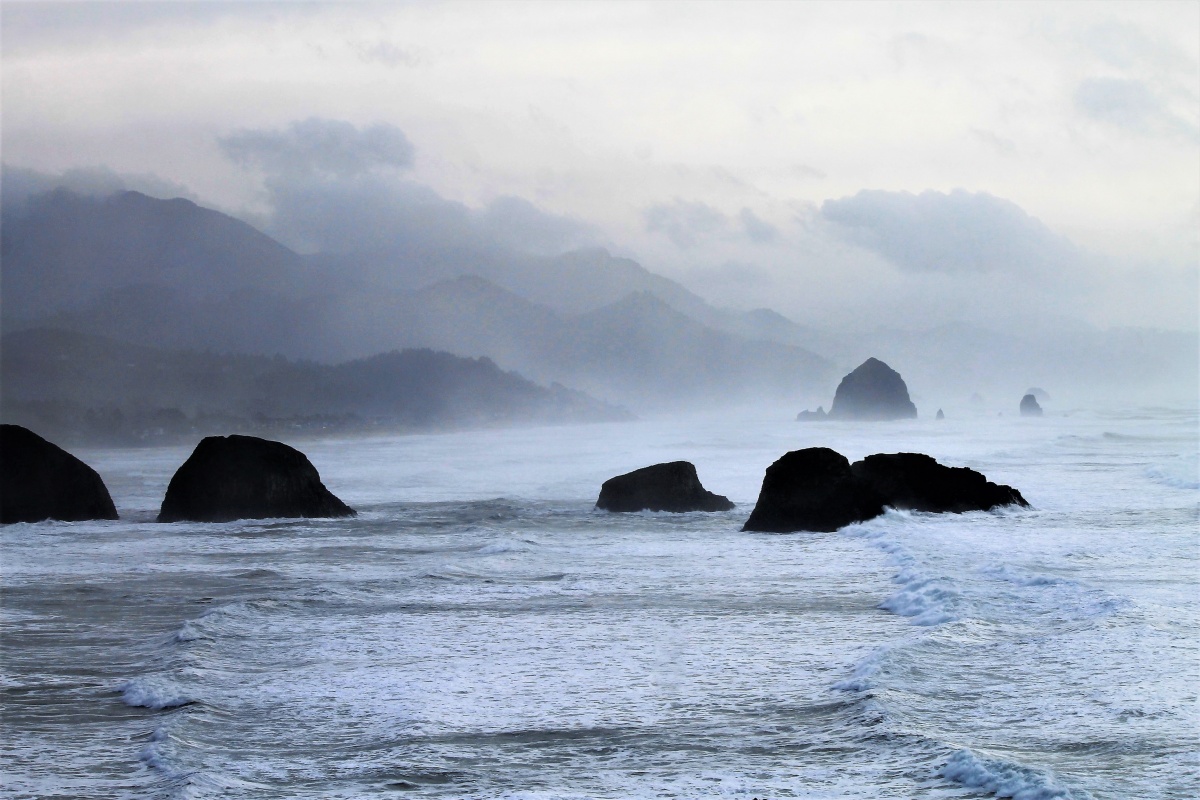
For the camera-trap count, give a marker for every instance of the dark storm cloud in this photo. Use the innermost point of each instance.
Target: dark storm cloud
(683, 222)
(959, 232)
(317, 145)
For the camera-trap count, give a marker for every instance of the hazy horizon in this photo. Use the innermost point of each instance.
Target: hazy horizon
(919, 165)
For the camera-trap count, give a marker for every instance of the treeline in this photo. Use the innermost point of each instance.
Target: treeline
(89, 388)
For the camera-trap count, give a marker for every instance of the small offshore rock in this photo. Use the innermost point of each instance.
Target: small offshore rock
(940, 415)
(244, 477)
(40, 481)
(807, 415)
(673, 486)
(1030, 407)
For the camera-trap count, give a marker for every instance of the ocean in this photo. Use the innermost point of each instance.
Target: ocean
(481, 631)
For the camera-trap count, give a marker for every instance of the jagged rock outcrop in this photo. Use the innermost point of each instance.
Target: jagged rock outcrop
(940, 414)
(817, 489)
(873, 391)
(812, 415)
(39, 480)
(811, 490)
(918, 482)
(1030, 407)
(244, 477)
(673, 486)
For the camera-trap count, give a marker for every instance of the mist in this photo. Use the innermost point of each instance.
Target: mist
(748, 249)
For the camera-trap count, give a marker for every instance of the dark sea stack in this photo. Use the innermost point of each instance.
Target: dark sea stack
(39, 481)
(940, 414)
(244, 477)
(819, 490)
(662, 487)
(811, 490)
(1030, 407)
(873, 391)
(811, 416)
(917, 482)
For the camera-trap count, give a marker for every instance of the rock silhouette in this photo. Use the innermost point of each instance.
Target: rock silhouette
(39, 480)
(244, 477)
(873, 391)
(812, 415)
(673, 486)
(811, 490)
(1030, 407)
(917, 482)
(817, 489)
(940, 414)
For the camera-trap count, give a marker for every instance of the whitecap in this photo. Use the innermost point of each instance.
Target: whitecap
(1179, 473)
(927, 601)
(1006, 779)
(1020, 577)
(156, 692)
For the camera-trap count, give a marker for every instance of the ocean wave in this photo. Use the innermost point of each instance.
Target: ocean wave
(155, 692)
(1020, 577)
(864, 672)
(928, 601)
(189, 632)
(1006, 779)
(1180, 473)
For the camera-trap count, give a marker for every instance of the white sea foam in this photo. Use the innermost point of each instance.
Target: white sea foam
(1022, 577)
(156, 692)
(864, 672)
(928, 601)
(1179, 473)
(566, 653)
(189, 631)
(1005, 779)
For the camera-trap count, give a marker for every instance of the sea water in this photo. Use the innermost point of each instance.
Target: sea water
(481, 631)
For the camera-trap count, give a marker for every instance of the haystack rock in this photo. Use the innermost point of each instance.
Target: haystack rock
(817, 489)
(244, 477)
(662, 487)
(873, 391)
(1030, 407)
(39, 480)
(812, 415)
(940, 414)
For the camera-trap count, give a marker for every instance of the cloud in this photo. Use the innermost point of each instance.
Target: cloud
(385, 53)
(757, 229)
(999, 144)
(805, 172)
(19, 184)
(959, 232)
(318, 145)
(334, 187)
(1131, 105)
(683, 222)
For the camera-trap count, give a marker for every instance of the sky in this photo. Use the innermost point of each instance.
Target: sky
(858, 164)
